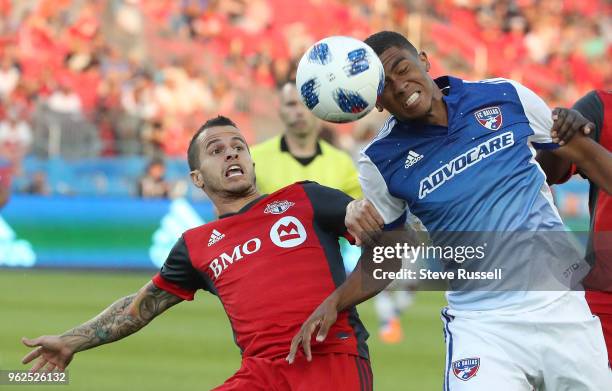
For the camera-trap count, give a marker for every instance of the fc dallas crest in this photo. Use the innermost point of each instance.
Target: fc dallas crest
(466, 368)
(490, 117)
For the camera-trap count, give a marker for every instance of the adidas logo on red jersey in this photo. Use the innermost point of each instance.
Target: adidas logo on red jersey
(215, 236)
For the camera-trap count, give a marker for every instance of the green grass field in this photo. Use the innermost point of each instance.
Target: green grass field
(190, 347)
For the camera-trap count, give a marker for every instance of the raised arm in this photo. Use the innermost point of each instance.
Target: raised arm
(587, 117)
(591, 158)
(566, 124)
(361, 284)
(120, 319)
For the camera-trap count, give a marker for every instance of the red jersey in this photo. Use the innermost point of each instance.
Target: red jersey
(596, 106)
(271, 264)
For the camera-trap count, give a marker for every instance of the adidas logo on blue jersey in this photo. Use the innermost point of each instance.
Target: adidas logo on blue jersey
(412, 159)
(215, 236)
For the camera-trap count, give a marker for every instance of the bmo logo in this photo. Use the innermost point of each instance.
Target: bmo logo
(223, 261)
(288, 232)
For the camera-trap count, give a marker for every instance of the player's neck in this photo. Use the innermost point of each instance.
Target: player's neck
(302, 147)
(439, 112)
(229, 205)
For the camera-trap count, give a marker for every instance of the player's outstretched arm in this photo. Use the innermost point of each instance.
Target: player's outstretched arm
(591, 159)
(122, 318)
(363, 221)
(358, 287)
(567, 123)
(350, 293)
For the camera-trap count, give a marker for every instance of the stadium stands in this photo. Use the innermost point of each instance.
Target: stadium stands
(117, 176)
(118, 79)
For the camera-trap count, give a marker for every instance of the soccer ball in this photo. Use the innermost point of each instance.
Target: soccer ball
(339, 79)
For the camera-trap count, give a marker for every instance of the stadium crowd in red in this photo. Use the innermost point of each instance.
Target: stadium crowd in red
(145, 73)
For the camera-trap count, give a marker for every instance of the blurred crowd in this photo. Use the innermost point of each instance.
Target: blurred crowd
(102, 78)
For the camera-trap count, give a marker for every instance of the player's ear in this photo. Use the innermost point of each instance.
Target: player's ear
(424, 61)
(197, 179)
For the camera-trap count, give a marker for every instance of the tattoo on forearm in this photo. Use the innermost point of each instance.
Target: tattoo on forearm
(122, 318)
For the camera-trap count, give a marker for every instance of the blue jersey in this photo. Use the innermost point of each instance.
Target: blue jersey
(477, 174)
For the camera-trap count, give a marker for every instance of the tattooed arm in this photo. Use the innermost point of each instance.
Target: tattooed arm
(122, 318)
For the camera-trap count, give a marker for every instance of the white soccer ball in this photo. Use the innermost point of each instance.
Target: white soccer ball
(339, 79)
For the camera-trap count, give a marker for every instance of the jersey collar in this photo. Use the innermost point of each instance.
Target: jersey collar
(304, 161)
(453, 99)
(244, 208)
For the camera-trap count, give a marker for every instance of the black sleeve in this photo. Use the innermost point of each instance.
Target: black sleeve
(178, 276)
(591, 107)
(329, 206)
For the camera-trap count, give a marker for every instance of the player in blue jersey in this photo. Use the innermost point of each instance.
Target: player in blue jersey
(460, 156)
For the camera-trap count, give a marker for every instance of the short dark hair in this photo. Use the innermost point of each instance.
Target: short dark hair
(193, 155)
(384, 40)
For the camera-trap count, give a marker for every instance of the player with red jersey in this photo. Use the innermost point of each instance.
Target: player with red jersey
(596, 106)
(270, 259)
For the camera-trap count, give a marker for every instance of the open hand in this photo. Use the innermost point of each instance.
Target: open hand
(52, 352)
(323, 317)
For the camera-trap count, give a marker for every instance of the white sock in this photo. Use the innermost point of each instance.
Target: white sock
(403, 300)
(385, 307)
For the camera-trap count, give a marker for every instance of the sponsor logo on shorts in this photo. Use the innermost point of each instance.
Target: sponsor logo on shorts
(466, 368)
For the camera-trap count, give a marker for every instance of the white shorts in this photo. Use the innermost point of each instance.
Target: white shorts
(558, 347)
